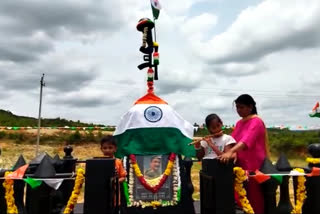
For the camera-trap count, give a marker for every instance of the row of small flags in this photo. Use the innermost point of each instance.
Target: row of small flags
(34, 182)
(280, 127)
(112, 128)
(55, 183)
(261, 177)
(61, 128)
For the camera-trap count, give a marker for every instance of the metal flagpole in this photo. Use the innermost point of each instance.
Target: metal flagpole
(39, 116)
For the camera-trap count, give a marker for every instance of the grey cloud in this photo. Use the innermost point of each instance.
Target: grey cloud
(263, 30)
(58, 77)
(69, 80)
(29, 29)
(53, 17)
(78, 101)
(23, 49)
(258, 49)
(177, 80)
(237, 69)
(83, 100)
(164, 87)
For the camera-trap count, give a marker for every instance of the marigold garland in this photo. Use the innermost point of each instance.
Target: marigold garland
(238, 186)
(156, 183)
(313, 160)
(173, 168)
(76, 191)
(8, 186)
(301, 192)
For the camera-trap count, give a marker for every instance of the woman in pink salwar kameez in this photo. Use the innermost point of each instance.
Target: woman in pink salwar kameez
(251, 148)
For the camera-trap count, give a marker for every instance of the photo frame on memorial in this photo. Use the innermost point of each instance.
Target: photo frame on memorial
(153, 167)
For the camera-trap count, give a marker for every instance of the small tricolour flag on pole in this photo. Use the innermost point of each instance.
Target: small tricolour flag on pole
(315, 111)
(150, 127)
(156, 7)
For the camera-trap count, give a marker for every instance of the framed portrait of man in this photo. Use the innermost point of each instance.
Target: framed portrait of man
(152, 167)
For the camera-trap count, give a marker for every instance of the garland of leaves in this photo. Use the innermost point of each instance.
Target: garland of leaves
(301, 192)
(238, 186)
(76, 191)
(8, 186)
(172, 167)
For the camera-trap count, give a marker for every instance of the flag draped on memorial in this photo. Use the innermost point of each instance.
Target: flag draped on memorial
(151, 126)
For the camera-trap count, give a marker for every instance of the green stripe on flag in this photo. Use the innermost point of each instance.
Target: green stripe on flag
(153, 141)
(317, 114)
(155, 12)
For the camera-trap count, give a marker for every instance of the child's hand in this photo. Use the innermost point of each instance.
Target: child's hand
(225, 157)
(208, 140)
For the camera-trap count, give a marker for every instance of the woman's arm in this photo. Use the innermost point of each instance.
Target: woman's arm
(228, 148)
(230, 153)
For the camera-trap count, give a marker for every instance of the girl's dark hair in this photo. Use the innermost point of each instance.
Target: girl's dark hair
(212, 117)
(246, 99)
(109, 139)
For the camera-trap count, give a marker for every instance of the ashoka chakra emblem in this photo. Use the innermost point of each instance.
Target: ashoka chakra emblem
(153, 114)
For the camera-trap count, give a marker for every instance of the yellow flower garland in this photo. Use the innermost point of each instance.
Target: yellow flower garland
(238, 186)
(137, 170)
(301, 194)
(313, 160)
(8, 186)
(76, 191)
(169, 168)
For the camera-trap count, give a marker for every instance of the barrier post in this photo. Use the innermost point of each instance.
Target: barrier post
(98, 193)
(311, 204)
(216, 187)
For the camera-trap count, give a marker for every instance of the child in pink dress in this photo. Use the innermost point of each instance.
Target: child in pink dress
(250, 134)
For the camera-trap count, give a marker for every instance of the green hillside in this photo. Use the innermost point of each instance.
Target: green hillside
(9, 119)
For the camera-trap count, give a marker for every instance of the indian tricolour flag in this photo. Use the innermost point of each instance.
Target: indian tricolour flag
(150, 127)
(315, 111)
(156, 7)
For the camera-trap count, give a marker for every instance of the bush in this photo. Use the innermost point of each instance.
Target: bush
(74, 137)
(3, 134)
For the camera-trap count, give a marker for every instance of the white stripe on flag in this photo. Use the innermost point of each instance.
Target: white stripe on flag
(135, 118)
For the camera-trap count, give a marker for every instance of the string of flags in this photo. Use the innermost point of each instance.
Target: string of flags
(314, 113)
(261, 177)
(55, 183)
(19, 174)
(196, 128)
(106, 128)
(280, 127)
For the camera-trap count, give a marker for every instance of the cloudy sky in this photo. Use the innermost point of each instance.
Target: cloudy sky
(211, 51)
